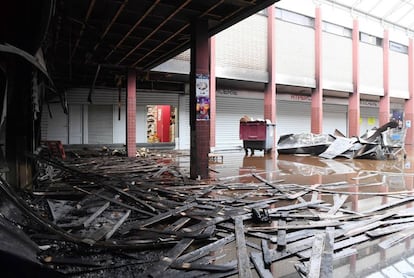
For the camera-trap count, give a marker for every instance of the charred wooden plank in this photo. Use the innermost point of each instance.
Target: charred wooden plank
(316, 256)
(257, 260)
(242, 255)
(338, 202)
(344, 253)
(281, 231)
(278, 188)
(132, 197)
(389, 229)
(206, 267)
(267, 260)
(327, 255)
(200, 252)
(158, 269)
(189, 231)
(177, 224)
(387, 206)
(112, 200)
(396, 238)
(98, 212)
(143, 223)
(117, 225)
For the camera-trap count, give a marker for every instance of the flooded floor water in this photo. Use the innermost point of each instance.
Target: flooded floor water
(369, 185)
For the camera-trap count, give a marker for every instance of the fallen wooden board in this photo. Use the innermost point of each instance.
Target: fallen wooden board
(242, 255)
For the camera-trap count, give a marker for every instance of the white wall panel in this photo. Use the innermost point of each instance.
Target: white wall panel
(295, 54)
(398, 75)
(243, 45)
(337, 62)
(371, 69)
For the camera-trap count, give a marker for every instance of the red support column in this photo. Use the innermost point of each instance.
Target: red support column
(409, 104)
(317, 94)
(384, 109)
(131, 111)
(199, 100)
(354, 98)
(270, 92)
(212, 42)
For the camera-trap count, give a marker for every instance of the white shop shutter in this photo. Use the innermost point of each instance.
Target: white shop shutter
(228, 113)
(335, 117)
(184, 123)
(100, 124)
(368, 119)
(55, 128)
(292, 117)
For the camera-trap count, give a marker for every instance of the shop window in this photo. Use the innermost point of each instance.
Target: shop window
(337, 29)
(397, 47)
(294, 18)
(161, 127)
(364, 37)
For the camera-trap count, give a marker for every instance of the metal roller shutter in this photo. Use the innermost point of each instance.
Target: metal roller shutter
(335, 117)
(55, 128)
(184, 123)
(100, 124)
(368, 119)
(228, 113)
(292, 117)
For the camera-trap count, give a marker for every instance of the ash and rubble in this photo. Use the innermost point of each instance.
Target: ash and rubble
(101, 214)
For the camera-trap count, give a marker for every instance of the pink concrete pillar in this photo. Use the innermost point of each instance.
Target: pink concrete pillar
(131, 111)
(384, 109)
(212, 42)
(409, 104)
(270, 92)
(199, 100)
(354, 98)
(317, 94)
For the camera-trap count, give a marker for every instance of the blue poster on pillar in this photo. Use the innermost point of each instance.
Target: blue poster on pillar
(203, 97)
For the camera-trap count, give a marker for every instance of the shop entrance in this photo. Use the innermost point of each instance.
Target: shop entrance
(161, 123)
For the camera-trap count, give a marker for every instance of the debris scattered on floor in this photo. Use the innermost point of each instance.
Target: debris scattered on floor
(386, 142)
(103, 215)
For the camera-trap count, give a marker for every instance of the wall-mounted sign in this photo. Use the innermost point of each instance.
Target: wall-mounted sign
(202, 97)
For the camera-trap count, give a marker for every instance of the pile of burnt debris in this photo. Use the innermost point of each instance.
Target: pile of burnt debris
(386, 142)
(113, 216)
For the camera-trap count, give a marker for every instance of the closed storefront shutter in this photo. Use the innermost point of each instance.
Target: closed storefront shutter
(228, 113)
(292, 117)
(184, 123)
(335, 117)
(100, 124)
(55, 127)
(368, 119)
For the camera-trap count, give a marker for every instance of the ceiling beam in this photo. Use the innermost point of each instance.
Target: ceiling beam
(88, 13)
(118, 12)
(155, 30)
(133, 28)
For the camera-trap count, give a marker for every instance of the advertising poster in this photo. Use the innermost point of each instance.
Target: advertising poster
(203, 97)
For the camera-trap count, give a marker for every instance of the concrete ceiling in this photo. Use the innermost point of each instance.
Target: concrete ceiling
(93, 42)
